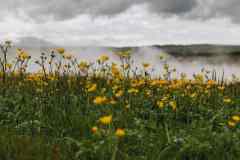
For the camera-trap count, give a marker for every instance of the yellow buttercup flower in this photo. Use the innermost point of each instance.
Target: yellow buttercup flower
(133, 91)
(22, 55)
(119, 93)
(148, 93)
(115, 70)
(124, 54)
(199, 78)
(137, 83)
(92, 88)
(231, 124)
(67, 56)
(158, 82)
(83, 65)
(103, 58)
(193, 95)
(236, 118)
(160, 104)
(173, 104)
(126, 66)
(146, 65)
(227, 100)
(52, 77)
(120, 132)
(165, 98)
(100, 100)
(8, 66)
(211, 82)
(105, 120)
(60, 50)
(94, 129)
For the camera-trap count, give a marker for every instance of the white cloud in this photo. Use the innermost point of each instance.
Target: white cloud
(135, 26)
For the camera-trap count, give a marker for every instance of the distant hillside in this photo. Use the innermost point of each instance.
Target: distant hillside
(200, 50)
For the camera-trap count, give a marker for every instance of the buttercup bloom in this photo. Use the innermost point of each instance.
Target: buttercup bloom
(120, 132)
(105, 120)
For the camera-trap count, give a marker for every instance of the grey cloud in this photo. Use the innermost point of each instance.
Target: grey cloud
(62, 9)
(207, 9)
(172, 6)
(229, 8)
(44, 10)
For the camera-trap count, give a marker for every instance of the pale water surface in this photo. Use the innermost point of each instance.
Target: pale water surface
(189, 65)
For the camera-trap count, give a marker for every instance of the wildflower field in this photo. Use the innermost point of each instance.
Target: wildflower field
(72, 109)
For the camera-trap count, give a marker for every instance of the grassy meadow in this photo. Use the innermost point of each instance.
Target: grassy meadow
(72, 109)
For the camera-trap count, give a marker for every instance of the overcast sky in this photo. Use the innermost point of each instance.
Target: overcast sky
(122, 22)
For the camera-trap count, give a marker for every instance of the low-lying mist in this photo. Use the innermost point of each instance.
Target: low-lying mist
(222, 64)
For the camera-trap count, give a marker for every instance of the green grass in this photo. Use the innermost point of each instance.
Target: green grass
(51, 115)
